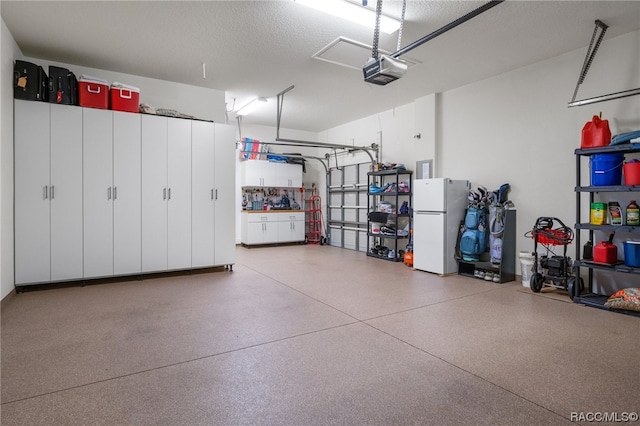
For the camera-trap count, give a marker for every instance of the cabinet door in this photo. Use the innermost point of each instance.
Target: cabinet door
(270, 233)
(259, 228)
(225, 195)
(262, 232)
(154, 193)
(126, 193)
(202, 194)
(269, 173)
(296, 175)
(31, 180)
(66, 192)
(288, 175)
(285, 231)
(251, 173)
(291, 227)
(179, 194)
(429, 241)
(97, 153)
(255, 233)
(258, 173)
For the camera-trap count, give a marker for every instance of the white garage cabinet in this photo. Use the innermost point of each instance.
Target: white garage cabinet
(103, 193)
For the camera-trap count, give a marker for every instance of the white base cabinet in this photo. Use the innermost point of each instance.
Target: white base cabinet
(102, 193)
(272, 228)
(290, 227)
(259, 228)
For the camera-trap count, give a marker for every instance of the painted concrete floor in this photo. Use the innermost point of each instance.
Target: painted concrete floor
(313, 335)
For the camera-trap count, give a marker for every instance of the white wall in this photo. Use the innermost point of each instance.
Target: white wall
(513, 128)
(8, 51)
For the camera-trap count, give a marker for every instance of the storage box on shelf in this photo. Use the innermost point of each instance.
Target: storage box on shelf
(396, 189)
(93, 92)
(608, 181)
(124, 98)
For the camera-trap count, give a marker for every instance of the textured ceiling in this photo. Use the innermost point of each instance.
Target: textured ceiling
(260, 48)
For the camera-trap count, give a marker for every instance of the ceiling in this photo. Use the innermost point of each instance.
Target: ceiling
(260, 48)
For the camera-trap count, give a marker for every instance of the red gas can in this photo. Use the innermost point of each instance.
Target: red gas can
(605, 252)
(595, 133)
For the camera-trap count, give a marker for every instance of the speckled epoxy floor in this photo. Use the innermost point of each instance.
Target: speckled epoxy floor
(311, 335)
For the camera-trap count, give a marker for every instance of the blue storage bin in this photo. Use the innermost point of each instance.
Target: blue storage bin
(632, 253)
(606, 169)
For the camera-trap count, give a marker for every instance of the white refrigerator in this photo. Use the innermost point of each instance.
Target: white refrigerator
(439, 206)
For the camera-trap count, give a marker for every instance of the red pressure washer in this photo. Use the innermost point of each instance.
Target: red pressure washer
(551, 269)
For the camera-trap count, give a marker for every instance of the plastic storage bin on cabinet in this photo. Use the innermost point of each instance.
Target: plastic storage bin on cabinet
(93, 92)
(124, 98)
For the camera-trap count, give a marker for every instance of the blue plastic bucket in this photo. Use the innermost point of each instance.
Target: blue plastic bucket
(632, 253)
(606, 169)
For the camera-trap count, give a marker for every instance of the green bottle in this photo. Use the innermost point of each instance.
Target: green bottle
(633, 214)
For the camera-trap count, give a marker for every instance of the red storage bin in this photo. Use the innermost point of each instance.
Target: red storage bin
(631, 171)
(93, 92)
(124, 98)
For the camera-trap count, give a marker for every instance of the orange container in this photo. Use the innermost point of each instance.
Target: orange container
(631, 170)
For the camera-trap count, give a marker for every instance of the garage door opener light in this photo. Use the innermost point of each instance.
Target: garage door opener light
(354, 13)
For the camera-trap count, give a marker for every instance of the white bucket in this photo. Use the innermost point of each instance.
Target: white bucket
(526, 266)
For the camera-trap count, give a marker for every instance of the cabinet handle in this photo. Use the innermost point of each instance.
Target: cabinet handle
(212, 193)
(45, 192)
(115, 192)
(169, 193)
(216, 193)
(164, 193)
(52, 193)
(109, 193)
